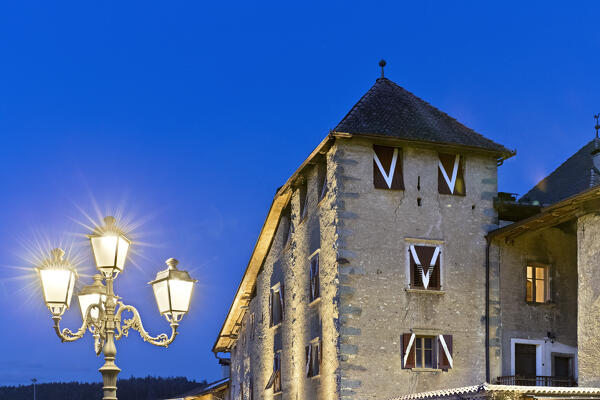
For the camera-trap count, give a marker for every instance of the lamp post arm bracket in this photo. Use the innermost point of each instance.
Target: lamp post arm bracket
(66, 335)
(135, 323)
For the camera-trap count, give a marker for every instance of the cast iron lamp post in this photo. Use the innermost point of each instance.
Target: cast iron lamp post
(101, 308)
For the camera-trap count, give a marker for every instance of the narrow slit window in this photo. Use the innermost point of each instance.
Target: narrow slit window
(303, 201)
(276, 304)
(313, 358)
(315, 291)
(275, 379)
(322, 180)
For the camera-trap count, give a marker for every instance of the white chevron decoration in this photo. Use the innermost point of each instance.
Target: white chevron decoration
(387, 177)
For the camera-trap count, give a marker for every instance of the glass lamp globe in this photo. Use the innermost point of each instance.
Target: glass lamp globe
(94, 294)
(110, 247)
(58, 280)
(173, 291)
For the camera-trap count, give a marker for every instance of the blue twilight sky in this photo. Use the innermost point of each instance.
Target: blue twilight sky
(186, 116)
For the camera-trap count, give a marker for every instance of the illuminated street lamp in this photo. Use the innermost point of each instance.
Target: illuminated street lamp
(58, 280)
(173, 291)
(101, 309)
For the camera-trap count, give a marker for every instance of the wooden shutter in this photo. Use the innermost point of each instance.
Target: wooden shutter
(307, 350)
(445, 358)
(271, 308)
(271, 380)
(387, 168)
(425, 255)
(451, 178)
(411, 358)
(281, 299)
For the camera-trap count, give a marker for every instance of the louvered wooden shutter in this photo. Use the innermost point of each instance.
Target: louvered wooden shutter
(444, 363)
(271, 308)
(307, 349)
(281, 300)
(384, 176)
(425, 255)
(411, 359)
(450, 165)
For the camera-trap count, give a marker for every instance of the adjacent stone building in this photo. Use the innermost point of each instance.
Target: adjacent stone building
(382, 268)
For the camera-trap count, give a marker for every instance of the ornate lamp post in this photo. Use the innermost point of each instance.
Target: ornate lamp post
(101, 309)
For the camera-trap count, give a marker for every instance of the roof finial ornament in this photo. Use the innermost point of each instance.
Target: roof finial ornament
(597, 125)
(382, 65)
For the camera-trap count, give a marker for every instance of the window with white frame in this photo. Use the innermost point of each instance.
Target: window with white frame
(315, 291)
(313, 357)
(276, 304)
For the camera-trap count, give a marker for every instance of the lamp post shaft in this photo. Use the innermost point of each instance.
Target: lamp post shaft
(110, 370)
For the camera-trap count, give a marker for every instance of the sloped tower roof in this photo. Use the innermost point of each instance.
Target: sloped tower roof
(389, 110)
(572, 177)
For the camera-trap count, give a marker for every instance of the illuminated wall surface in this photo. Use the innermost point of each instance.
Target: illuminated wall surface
(403, 282)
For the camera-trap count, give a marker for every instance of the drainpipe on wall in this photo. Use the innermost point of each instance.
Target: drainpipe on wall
(487, 310)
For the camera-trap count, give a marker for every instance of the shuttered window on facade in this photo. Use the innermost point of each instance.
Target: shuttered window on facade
(313, 358)
(425, 267)
(315, 291)
(275, 379)
(451, 176)
(431, 352)
(302, 190)
(387, 168)
(276, 305)
(322, 180)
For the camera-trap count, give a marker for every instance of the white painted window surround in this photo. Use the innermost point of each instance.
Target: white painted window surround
(543, 355)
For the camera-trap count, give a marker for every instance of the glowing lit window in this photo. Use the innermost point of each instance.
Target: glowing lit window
(537, 287)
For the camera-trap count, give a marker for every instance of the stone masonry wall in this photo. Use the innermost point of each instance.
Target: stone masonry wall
(375, 306)
(518, 319)
(288, 262)
(588, 300)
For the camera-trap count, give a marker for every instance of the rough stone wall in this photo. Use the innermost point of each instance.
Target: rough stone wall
(588, 307)
(556, 248)
(288, 262)
(375, 307)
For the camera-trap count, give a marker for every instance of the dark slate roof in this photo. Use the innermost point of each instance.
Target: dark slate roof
(572, 177)
(389, 110)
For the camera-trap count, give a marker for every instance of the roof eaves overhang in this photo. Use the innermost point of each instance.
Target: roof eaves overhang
(231, 325)
(487, 388)
(552, 215)
(500, 155)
